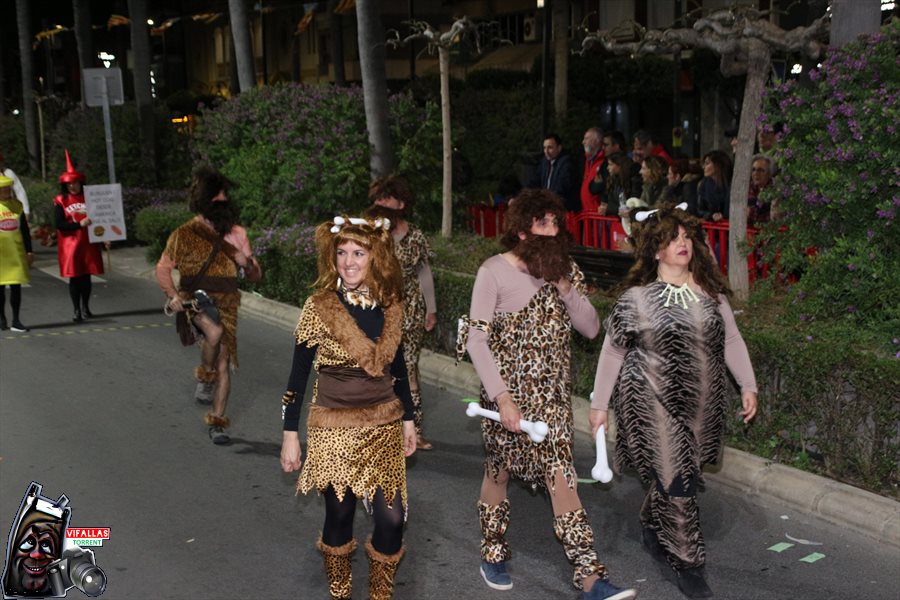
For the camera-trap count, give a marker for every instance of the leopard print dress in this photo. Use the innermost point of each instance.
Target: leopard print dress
(531, 348)
(361, 458)
(670, 396)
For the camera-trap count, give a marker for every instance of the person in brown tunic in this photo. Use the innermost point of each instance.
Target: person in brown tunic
(393, 198)
(360, 425)
(669, 339)
(525, 303)
(211, 251)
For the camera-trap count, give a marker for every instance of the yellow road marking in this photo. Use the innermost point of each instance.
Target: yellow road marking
(25, 336)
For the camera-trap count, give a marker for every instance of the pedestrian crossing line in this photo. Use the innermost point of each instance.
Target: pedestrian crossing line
(25, 336)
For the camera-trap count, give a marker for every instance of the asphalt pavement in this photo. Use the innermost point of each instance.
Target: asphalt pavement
(102, 412)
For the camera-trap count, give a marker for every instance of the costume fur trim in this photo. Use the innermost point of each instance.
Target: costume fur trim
(217, 421)
(384, 558)
(204, 376)
(342, 550)
(369, 416)
(373, 357)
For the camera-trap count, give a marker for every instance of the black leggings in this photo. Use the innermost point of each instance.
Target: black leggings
(80, 291)
(15, 300)
(387, 536)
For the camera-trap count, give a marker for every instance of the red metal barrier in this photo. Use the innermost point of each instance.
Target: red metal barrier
(487, 220)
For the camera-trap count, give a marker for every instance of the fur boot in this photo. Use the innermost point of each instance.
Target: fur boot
(204, 376)
(217, 421)
(574, 531)
(382, 569)
(494, 520)
(337, 567)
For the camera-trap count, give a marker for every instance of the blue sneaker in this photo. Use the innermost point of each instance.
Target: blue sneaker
(495, 575)
(604, 590)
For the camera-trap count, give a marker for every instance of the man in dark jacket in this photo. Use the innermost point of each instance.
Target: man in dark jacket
(556, 173)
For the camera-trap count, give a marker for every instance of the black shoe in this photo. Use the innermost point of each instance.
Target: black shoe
(17, 326)
(77, 318)
(692, 583)
(218, 436)
(3, 325)
(87, 313)
(650, 542)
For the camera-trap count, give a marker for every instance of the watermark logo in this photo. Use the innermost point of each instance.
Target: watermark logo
(45, 558)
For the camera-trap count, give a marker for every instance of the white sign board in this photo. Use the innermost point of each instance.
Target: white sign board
(103, 204)
(103, 82)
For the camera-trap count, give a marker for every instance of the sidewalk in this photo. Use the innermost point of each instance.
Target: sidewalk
(861, 511)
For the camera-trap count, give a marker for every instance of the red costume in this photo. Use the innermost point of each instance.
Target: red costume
(591, 202)
(77, 256)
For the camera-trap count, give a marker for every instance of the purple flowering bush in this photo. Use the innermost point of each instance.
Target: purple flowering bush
(301, 152)
(839, 188)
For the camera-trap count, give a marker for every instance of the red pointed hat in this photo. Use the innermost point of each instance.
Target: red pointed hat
(71, 174)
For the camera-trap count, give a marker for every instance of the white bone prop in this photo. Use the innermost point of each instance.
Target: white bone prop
(645, 214)
(536, 430)
(601, 471)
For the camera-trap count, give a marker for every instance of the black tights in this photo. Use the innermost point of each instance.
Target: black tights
(15, 300)
(387, 536)
(80, 291)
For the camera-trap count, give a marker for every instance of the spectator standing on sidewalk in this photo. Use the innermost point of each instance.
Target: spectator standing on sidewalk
(211, 251)
(556, 172)
(670, 338)
(78, 257)
(16, 257)
(525, 303)
(393, 199)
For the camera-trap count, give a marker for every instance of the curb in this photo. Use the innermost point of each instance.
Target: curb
(861, 511)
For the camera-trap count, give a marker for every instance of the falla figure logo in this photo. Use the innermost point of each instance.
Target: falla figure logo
(42, 559)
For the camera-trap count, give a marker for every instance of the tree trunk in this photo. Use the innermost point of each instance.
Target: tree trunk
(446, 134)
(2, 84)
(23, 20)
(243, 52)
(371, 64)
(561, 57)
(81, 10)
(853, 18)
(336, 22)
(143, 95)
(759, 62)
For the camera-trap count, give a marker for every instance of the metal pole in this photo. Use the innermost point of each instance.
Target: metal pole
(107, 128)
(41, 131)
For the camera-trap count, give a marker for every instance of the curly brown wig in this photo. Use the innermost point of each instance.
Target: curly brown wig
(529, 206)
(393, 186)
(206, 183)
(654, 234)
(384, 278)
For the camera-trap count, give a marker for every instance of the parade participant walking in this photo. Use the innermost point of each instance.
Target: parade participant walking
(394, 199)
(525, 303)
(360, 425)
(662, 369)
(211, 251)
(15, 254)
(78, 257)
(18, 188)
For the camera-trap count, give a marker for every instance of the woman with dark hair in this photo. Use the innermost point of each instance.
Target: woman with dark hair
(715, 188)
(78, 257)
(393, 199)
(682, 178)
(360, 424)
(525, 303)
(670, 338)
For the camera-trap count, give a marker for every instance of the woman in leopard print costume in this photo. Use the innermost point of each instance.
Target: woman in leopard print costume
(525, 303)
(360, 425)
(669, 339)
(393, 198)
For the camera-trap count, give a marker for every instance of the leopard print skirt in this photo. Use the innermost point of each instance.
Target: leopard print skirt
(362, 459)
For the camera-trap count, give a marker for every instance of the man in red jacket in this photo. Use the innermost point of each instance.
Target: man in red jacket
(593, 159)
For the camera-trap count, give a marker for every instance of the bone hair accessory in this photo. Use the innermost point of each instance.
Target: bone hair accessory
(380, 222)
(536, 430)
(645, 214)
